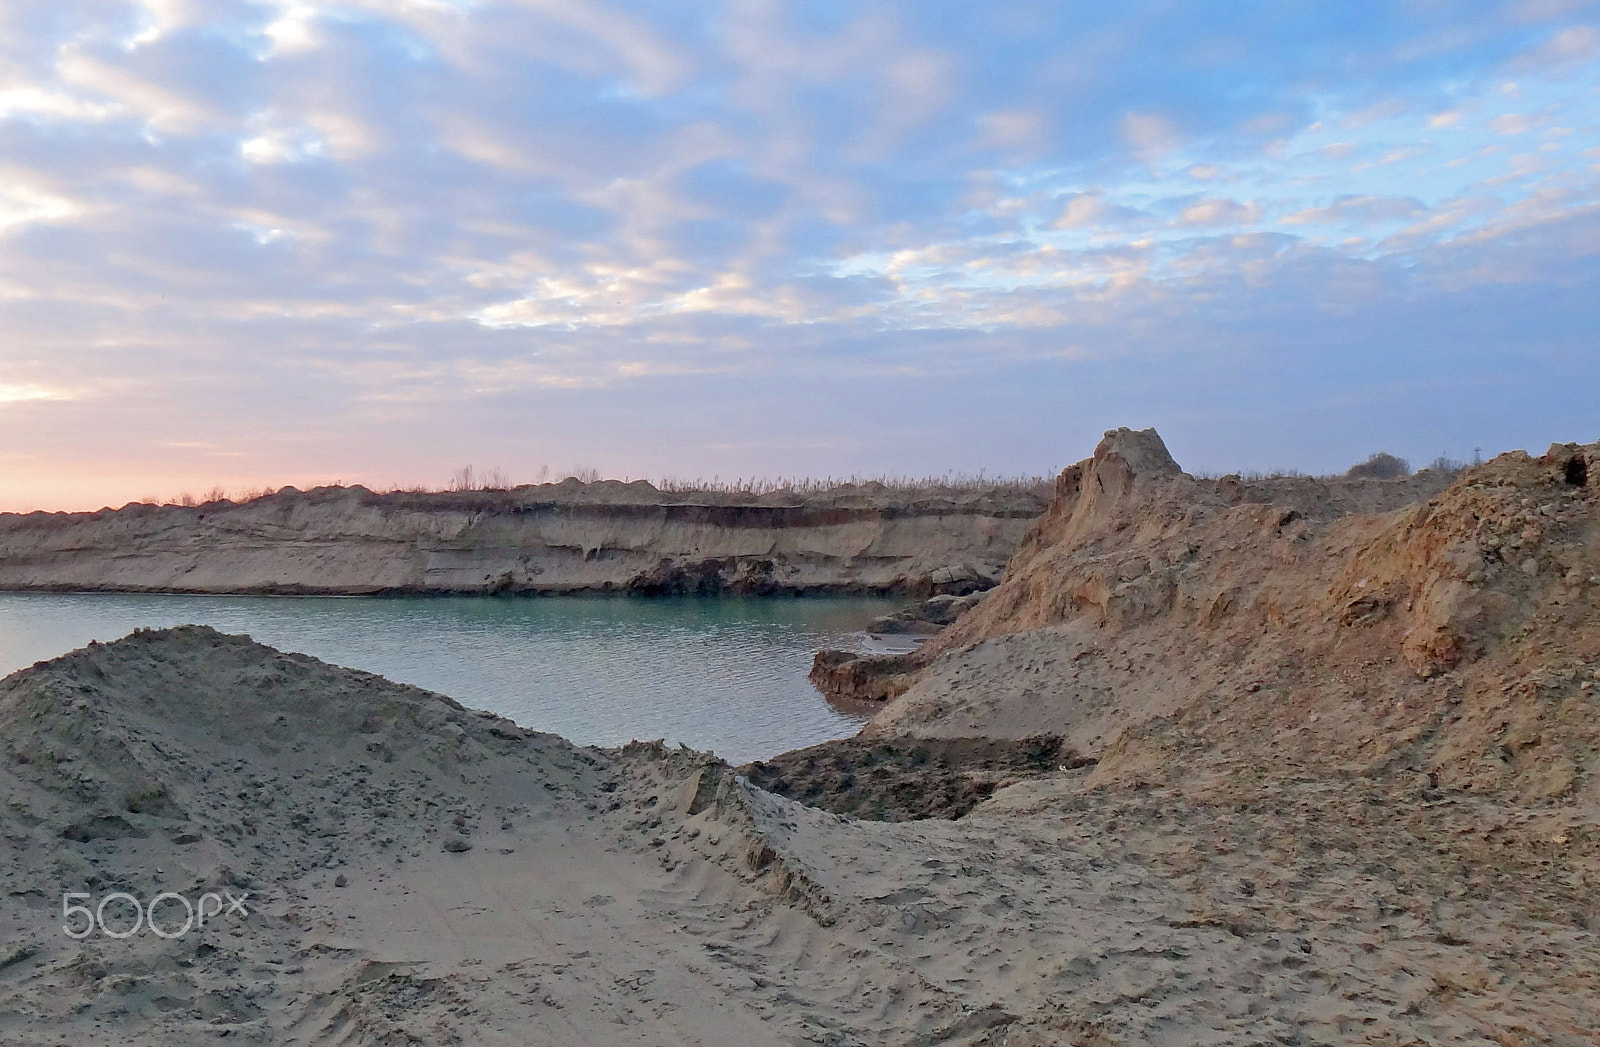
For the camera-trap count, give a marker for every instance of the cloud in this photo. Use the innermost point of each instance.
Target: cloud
(343, 136)
(22, 203)
(654, 64)
(158, 18)
(1358, 210)
(164, 109)
(1544, 10)
(1566, 47)
(11, 393)
(1011, 129)
(1150, 137)
(280, 145)
(486, 145)
(293, 31)
(433, 206)
(1082, 211)
(1387, 109)
(36, 101)
(1214, 211)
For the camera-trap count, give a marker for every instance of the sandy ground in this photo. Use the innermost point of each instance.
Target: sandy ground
(651, 896)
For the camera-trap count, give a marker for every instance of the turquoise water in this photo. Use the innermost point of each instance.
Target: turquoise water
(723, 674)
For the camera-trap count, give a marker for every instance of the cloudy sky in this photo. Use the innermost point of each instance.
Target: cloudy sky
(251, 243)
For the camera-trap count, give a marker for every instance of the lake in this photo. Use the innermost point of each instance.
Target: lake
(717, 673)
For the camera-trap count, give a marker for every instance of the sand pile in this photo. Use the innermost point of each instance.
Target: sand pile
(1315, 719)
(278, 762)
(410, 872)
(191, 762)
(1459, 635)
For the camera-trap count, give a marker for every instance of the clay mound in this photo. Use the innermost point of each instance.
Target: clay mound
(1150, 613)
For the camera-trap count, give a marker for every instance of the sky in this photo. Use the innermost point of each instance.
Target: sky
(261, 243)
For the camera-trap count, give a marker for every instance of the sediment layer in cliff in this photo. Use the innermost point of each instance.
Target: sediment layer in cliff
(550, 538)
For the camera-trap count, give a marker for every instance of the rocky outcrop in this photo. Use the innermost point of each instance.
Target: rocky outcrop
(847, 676)
(551, 538)
(927, 617)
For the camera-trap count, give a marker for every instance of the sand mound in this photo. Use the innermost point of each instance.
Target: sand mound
(1151, 612)
(192, 762)
(1351, 715)
(412, 873)
(282, 763)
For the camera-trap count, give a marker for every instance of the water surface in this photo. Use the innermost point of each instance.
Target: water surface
(724, 674)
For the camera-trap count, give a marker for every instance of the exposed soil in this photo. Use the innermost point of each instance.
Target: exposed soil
(900, 780)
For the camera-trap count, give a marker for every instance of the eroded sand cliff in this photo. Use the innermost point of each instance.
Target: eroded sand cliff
(550, 538)
(1150, 611)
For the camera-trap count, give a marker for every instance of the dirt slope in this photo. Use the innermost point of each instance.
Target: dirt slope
(1360, 717)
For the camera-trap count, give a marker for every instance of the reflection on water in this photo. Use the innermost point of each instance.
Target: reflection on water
(725, 674)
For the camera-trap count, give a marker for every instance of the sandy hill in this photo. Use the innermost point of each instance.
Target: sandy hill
(1151, 612)
(413, 872)
(1307, 699)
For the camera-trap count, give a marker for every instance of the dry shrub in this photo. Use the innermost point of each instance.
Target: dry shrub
(1381, 466)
